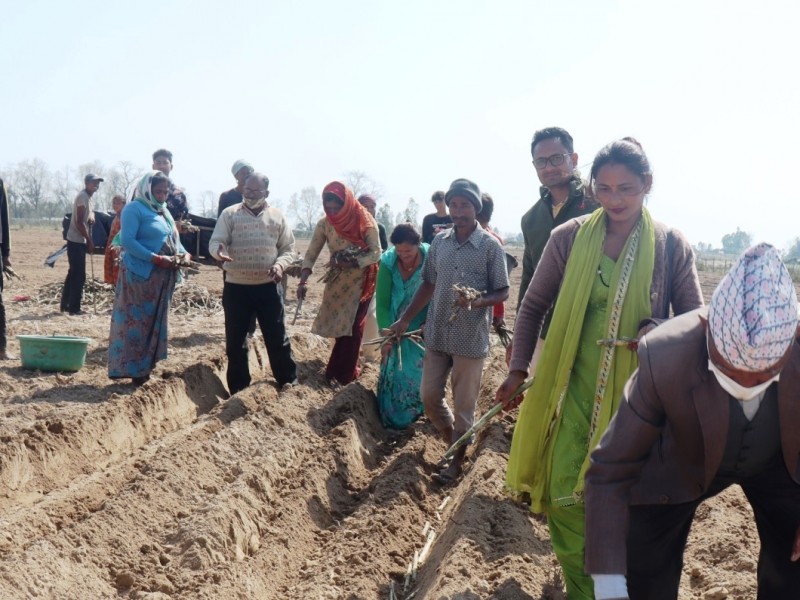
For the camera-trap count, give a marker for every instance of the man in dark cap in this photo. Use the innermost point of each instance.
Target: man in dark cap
(79, 242)
(457, 343)
(715, 402)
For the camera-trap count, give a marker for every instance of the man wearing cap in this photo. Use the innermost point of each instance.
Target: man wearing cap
(241, 170)
(255, 243)
(79, 242)
(457, 343)
(715, 401)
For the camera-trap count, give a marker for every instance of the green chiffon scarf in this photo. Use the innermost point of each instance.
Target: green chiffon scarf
(530, 459)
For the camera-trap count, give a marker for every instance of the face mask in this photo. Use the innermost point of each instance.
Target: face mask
(254, 204)
(737, 390)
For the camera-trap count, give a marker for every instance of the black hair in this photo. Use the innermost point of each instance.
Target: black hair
(438, 196)
(487, 209)
(162, 152)
(159, 178)
(553, 133)
(331, 197)
(405, 233)
(627, 152)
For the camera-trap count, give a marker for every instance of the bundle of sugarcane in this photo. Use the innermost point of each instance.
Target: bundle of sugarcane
(190, 298)
(415, 337)
(100, 293)
(353, 252)
(485, 419)
(294, 268)
(462, 291)
(184, 262)
(504, 333)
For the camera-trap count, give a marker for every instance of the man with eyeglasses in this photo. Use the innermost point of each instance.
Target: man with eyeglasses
(437, 221)
(256, 244)
(562, 197)
(715, 402)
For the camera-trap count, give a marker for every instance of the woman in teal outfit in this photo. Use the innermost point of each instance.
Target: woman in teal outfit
(399, 277)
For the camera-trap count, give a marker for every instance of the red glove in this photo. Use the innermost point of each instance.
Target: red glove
(164, 262)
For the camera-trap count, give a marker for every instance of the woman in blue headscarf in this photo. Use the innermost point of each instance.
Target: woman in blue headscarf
(148, 271)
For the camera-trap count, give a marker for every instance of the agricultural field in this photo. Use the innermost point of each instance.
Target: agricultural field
(176, 491)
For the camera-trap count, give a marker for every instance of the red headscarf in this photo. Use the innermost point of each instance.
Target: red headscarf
(352, 223)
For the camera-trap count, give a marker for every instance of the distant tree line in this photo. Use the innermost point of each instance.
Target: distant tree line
(733, 244)
(37, 191)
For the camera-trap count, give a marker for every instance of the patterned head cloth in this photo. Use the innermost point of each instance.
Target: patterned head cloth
(753, 312)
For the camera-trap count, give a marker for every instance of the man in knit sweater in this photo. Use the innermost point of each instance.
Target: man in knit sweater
(255, 243)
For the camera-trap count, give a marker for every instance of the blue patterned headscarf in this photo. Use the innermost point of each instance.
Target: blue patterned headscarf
(752, 316)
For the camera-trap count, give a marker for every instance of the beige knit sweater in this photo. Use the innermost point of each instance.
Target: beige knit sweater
(685, 294)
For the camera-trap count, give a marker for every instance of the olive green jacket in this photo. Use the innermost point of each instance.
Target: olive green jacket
(538, 222)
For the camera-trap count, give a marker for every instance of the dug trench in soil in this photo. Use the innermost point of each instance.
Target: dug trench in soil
(269, 495)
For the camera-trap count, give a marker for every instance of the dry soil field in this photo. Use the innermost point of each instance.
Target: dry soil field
(175, 490)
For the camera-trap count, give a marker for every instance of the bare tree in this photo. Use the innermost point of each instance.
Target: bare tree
(129, 175)
(410, 214)
(119, 180)
(31, 181)
(384, 217)
(361, 183)
(306, 208)
(65, 187)
(208, 204)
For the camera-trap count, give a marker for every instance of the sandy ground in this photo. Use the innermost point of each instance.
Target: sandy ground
(175, 490)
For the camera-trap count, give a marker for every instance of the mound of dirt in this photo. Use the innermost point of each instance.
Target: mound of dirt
(176, 490)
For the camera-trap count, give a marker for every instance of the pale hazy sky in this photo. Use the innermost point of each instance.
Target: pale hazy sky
(418, 93)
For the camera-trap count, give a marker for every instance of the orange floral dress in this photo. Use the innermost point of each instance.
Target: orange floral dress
(110, 266)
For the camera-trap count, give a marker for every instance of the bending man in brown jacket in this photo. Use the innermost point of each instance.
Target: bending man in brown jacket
(715, 401)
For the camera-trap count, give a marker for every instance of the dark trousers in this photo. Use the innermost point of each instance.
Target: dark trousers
(343, 363)
(264, 301)
(2, 318)
(76, 277)
(658, 533)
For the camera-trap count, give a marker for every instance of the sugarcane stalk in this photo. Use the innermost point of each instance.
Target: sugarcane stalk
(415, 565)
(428, 545)
(484, 420)
(407, 580)
(440, 508)
(297, 310)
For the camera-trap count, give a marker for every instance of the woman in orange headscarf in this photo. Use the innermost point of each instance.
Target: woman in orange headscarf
(353, 242)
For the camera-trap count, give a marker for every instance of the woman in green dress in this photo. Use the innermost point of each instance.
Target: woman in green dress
(613, 272)
(399, 278)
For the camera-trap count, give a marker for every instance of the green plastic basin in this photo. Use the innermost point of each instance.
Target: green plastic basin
(53, 352)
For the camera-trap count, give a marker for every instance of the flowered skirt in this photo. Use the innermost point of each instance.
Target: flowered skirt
(138, 338)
